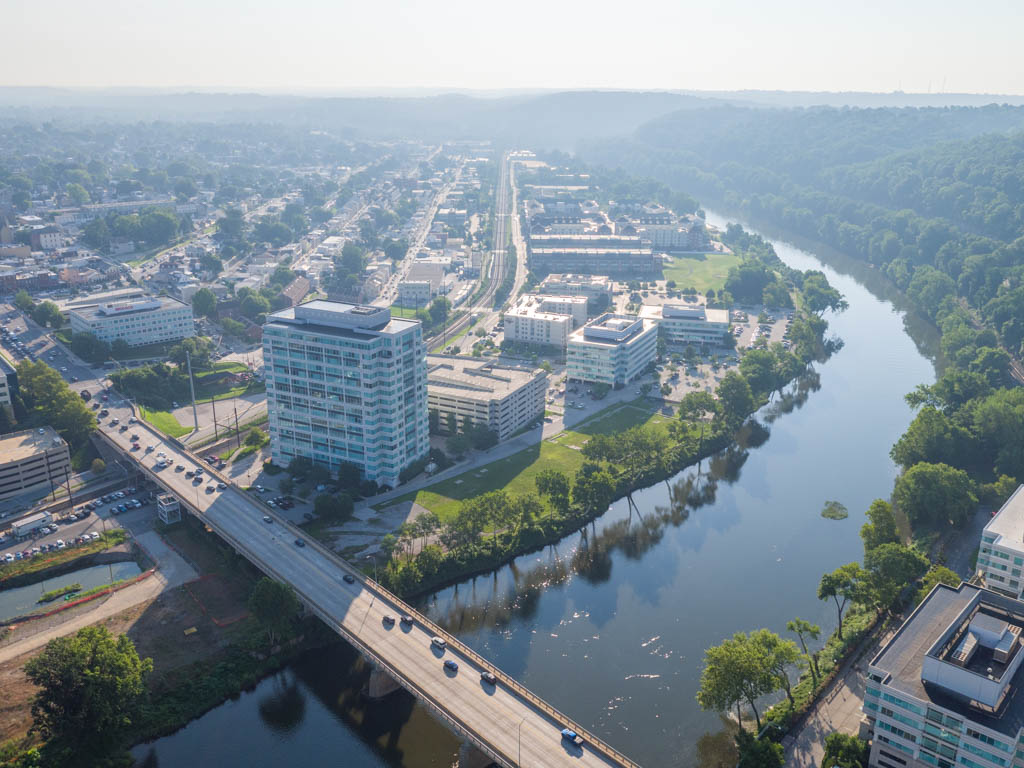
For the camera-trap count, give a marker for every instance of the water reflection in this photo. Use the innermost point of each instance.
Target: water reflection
(283, 707)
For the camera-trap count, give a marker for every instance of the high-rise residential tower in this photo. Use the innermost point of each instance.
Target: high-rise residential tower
(346, 382)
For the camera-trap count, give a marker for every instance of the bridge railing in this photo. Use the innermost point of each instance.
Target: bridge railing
(560, 720)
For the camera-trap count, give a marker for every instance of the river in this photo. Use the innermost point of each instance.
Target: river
(22, 601)
(611, 626)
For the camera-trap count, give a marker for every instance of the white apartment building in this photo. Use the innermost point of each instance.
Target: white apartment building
(504, 398)
(346, 382)
(545, 320)
(689, 324)
(137, 322)
(1001, 553)
(32, 462)
(943, 691)
(590, 286)
(8, 381)
(613, 349)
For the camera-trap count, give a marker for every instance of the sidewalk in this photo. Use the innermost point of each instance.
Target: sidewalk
(838, 709)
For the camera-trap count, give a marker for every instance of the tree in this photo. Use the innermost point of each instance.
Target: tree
(349, 476)
(845, 751)
(199, 348)
(98, 467)
(938, 574)
(210, 262)
(933, 437)
(842, 585)
(232, 225)
(554, 485)
(818, 295)
(439, 309)
(891, 567)
(46, 313)
(735, 671)
(88, 347)
(758, 368)
(79, 195)
(337, 507)
(158, 227)
(204, 302)
(253, 305)
(23, 301)
(735, 399)
(96, 235)
(50, 401)
(757, 753)
(593, 490)
(880, 527)
(274, 605)
(89, 685)
(778, 655)
(935, 495)
(805, 630)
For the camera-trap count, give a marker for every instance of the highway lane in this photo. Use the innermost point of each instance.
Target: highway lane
(505, 719)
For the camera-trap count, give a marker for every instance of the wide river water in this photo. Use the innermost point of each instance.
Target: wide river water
(611, 626)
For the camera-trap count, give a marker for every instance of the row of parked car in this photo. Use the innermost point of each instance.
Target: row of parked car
(27, 554)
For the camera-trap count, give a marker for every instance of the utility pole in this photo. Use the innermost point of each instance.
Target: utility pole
(238, 438)
(213, 404)
(192, 387)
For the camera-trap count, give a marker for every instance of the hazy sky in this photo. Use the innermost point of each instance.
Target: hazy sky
(872, 45)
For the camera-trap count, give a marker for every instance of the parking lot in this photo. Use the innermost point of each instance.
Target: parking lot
(83, 524)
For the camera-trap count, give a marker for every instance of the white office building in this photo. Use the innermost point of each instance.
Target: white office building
(346, 382)
(504, 398)
(689, 324)
(1001, 553)
(943, 691)
(137, 322)
(545, 320)
(613, 349)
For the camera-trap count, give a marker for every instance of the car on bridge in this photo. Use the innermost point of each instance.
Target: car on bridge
(348, 578)
(439, 642)
(488, 677)
(572, 737)
(451, 666)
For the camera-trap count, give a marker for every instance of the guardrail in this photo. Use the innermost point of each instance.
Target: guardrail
(560, 720)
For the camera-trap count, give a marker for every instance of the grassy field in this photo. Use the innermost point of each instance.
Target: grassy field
(452, 340)
(164, 421)
(516, 473)
(397, 311)
(701, 271)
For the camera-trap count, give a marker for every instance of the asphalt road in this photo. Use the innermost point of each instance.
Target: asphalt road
(507, 721)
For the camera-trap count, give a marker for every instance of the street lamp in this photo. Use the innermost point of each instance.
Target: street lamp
(371, 557)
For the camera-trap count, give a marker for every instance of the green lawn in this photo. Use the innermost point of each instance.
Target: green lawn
(516, 474)
(165, 422)
(701, 271)
(397, 311)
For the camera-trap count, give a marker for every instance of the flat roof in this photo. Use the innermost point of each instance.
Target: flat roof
(118, 307)
(902, 658)
(347, 319)
(683, 312)
(19, 446)
(469, 377)
(1008, 522)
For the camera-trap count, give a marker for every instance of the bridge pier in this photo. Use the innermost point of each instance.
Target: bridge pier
(380, 684)
(470, 756)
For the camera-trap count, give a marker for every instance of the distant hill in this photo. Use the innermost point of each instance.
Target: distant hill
(547, 120)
